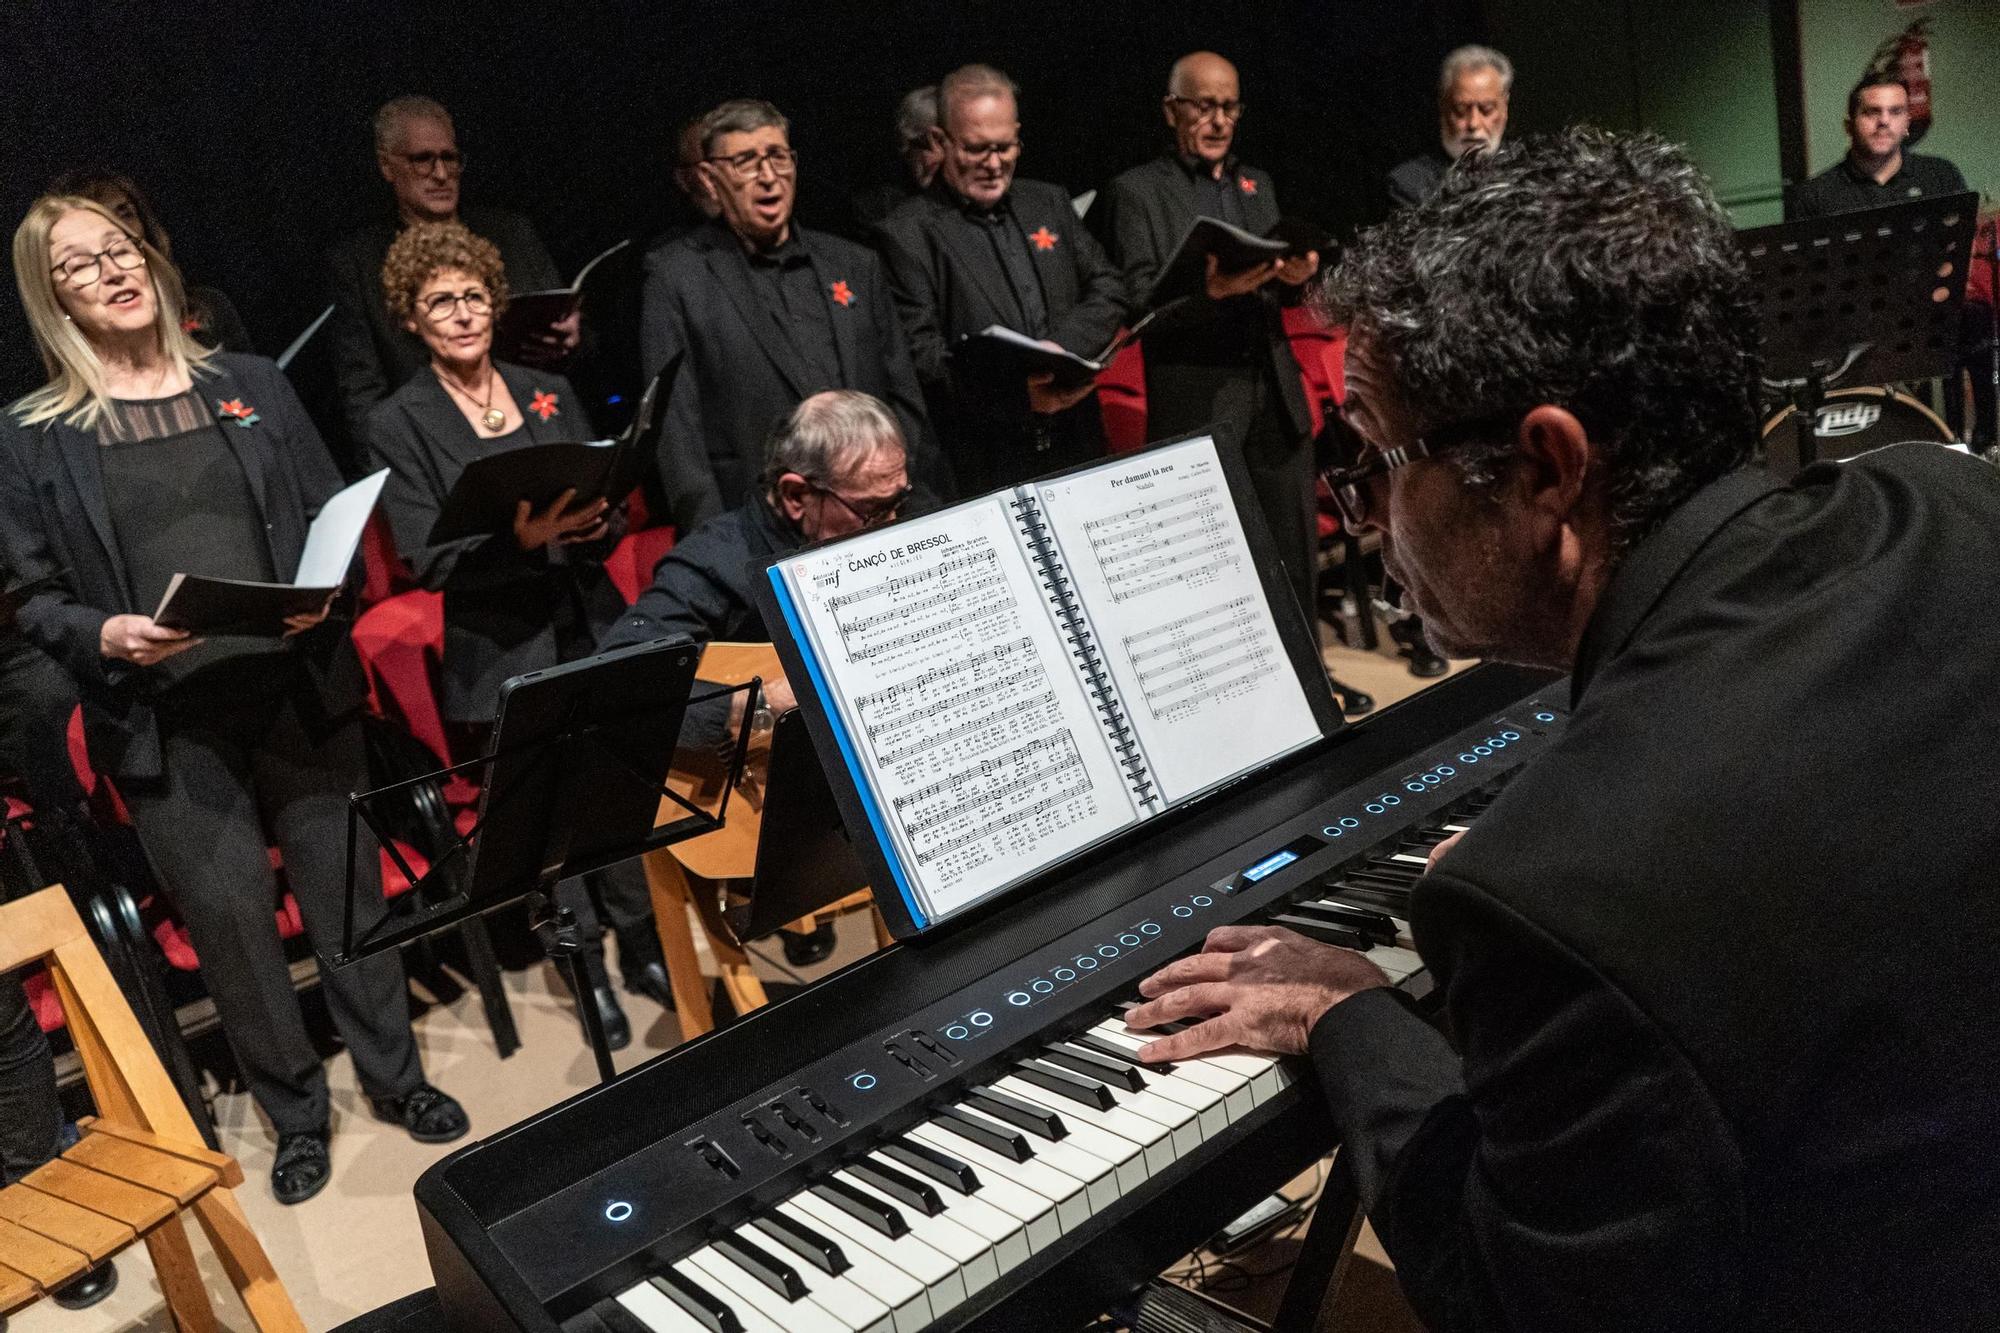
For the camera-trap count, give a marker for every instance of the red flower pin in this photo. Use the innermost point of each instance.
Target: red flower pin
(240, 411)
(843, 293)
(189, 324)
(1247, 185)
(1043, 238)
(543, 405)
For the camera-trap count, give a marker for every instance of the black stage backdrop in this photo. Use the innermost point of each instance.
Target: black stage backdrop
(249, 122)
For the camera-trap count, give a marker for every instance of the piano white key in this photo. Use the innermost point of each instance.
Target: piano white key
(1155, 1140)
(1005, 1230)
(1400, 963)
(843, 1299)
(1126, 1157)
(1410, 858)
(874, 1271)
(1099, 1177)
(1454, 828)
(1206, 1102)
(1266, 1077)
(970, 1251)
(1239, 1095)
(651, 1307)
(761, 1309)
(943, 1282)
(1058, 1190)
(1182, 1120)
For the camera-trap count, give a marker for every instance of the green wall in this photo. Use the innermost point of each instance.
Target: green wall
(1839, 36)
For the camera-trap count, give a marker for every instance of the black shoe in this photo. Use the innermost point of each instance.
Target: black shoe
(1351, 699)
(431, 1116)
(301, 1168)
(83, 1292)
(617, 1027)
(650, 980)
(1425, 664)
(805, 950)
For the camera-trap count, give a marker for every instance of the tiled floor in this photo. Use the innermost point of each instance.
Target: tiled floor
(357, 1245)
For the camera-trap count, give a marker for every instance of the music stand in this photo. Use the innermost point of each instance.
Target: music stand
(573, 781)
(1871, 297)
(804, 858)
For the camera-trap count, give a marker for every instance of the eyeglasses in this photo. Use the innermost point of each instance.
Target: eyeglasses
(441, 306)
(1349, 481)
(872, 515)
(425, 163)
(82, 270)
(979, 152)
(1204, 107)
(749, 166)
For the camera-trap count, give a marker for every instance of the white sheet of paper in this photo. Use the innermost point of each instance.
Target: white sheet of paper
(335, 534)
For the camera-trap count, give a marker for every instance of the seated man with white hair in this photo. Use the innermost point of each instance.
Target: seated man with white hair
(1474, 83)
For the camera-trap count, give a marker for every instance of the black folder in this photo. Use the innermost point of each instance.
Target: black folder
(1000, 352)
(529, 315)
(1235, 249)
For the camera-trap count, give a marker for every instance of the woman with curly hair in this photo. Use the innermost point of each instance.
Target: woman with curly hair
(146, 455)
(514, 601)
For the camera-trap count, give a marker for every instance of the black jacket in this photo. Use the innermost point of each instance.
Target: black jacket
(1193, 351)
(742, 374)
(1416, 180)
(375, 355)
(56, 518)
(501, 604)
(1720, 963)
(948, 285)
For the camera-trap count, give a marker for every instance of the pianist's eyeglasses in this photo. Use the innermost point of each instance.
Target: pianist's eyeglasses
(871, 514)
(1358, 463)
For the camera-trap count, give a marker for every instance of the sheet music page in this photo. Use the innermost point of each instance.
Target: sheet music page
(1165, 578)
(960, 698)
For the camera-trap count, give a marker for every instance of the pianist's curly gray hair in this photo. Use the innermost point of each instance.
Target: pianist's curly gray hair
(829, 435)
(1590, 270)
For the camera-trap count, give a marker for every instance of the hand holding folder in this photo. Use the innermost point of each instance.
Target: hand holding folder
(542, 326)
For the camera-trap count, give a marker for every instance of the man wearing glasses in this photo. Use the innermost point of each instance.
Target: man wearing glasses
(1222, 359)
(764, 314)
(1690, 1083)
(982, 247)
(417, 151)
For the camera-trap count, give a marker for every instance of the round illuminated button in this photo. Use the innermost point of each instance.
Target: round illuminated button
(1183, 911)
(1349, 821)
(957, 1032)
(1374, 807)
(1043, 987)
(1545, 717)
(1203, 900)
(1065, 974)
(1017, 998)
(1087, 963)
(1332, 832)
(1510, 735)
(1107, 951)
(1468, 759)
(1482, 749)
(1150, 928)
(980, 1018)
(862, 1082)
(1129, 940)
(617, 1211)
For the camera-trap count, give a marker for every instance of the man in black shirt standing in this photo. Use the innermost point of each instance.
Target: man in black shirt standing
(1876, 169)
(1691, 1084)
(979, 248)
(764, 314)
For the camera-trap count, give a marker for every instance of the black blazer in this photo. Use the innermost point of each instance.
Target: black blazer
(56, 518)
(500, 602)
(1412, 182)
(1150, 209)
(373, 354)
(741, 374)
(948, 284)
(1719, 964)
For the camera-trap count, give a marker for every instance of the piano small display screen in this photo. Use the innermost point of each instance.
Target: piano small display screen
(1274, 862)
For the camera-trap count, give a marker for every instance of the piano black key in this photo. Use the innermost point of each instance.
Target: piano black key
(616, 1318)
(821, 1251)
(1090, 1041)
(872, 1213)
(1042, 1124)
(985, 1133)
(902, 1188)
(1083, 1091)
(703, 1305)
(941, 1167)
(761, 1264)
(1103, 1068)
(1375, 925)
(1323, 931)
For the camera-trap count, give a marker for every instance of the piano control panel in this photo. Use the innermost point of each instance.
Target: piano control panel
(558, 1243)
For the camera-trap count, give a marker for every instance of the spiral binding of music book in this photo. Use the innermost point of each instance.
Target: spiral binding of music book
(1083, 647)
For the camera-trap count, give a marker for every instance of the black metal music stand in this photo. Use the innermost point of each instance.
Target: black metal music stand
(1867, 297)
(805, 860)
(572, 783)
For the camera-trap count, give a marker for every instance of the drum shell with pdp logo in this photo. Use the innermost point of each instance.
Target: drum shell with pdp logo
(1850, 422)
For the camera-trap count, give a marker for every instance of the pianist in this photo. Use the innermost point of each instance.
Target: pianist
(1718, 966)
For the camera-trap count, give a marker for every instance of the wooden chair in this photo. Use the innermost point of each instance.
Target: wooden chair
(140, 1165)
(697, 873)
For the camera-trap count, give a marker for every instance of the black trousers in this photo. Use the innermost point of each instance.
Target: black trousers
(30, 1114)
(249, 763)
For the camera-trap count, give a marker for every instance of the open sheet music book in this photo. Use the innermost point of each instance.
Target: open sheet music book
(1021, 677)
(531, 314)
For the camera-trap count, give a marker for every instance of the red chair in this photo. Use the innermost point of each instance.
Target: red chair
(630, 564)
(1121, 399)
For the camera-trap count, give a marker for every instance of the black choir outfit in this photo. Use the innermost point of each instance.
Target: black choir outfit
(1027, 264)
(374, 355)
(762, 332)
(506, 611)
(1694, 1082)
(213, 747)
(1413, 181)
(1226, 364)
(1845, 188)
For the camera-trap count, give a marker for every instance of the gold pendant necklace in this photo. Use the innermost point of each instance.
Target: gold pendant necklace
(491, 417)
(494, 418)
